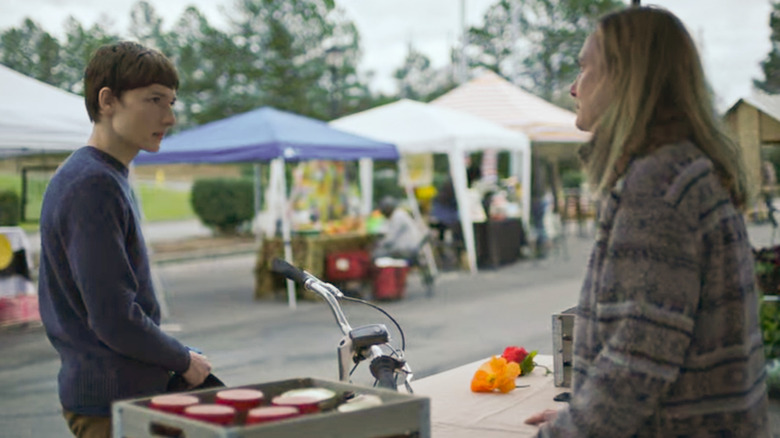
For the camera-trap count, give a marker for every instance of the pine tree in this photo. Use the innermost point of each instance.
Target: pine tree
(771, 65)
(536, 42)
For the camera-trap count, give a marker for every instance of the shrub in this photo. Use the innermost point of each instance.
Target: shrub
(572, 179)
(224, 204)
(10, 208)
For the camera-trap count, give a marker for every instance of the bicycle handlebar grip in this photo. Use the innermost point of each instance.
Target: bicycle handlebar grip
(383, 369)
(282, 267)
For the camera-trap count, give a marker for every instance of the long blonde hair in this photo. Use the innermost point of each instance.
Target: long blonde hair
(652, 68)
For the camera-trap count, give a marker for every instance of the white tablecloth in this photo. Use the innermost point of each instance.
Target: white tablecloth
(457, 412)
(17, 284)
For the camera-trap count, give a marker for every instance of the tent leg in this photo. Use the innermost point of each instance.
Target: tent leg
(258, 191)
(366, 172)
(460, 184)
(160, 293)
(282, 208)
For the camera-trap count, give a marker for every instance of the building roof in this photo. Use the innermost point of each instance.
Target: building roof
(769, 104)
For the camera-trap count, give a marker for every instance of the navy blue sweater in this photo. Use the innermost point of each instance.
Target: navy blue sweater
(96, 296)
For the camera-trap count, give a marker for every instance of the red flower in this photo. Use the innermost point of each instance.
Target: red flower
(514, 354)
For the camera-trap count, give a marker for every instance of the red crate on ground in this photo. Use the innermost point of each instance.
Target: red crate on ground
(347, 265)
(390, 282)
(19, 309)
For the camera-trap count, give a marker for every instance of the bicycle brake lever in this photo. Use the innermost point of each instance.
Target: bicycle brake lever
(334, 290)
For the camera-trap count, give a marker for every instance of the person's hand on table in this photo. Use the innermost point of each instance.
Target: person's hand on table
(540, 418)
(199, 369)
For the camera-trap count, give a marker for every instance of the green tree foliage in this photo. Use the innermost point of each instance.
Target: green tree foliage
(771, 65)
(295, 55)
(208, 83)
(536, 42)
(79, 45)
(10, 208)
(31, 50)
(418, 80)
(36, 52)
(273, 53)
(283, 48)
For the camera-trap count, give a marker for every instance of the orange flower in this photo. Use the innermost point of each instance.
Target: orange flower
(495, 374)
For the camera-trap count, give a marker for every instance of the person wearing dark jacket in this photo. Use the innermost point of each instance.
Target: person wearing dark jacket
(666, 340)
(97, 301)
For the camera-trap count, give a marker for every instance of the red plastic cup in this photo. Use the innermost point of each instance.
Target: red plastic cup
(241, 399)
(213, 413)
(175, 403)
(270, 413)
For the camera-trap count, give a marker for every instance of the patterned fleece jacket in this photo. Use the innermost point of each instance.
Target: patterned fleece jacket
(667, 340)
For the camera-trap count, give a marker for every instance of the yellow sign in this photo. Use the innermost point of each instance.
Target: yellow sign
(6, 252)
(420, 169)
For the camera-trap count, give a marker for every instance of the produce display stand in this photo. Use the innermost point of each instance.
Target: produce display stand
(309, 253)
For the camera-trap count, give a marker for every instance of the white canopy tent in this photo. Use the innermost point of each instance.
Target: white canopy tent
(494, 98)
(36, 117)
(415, 127)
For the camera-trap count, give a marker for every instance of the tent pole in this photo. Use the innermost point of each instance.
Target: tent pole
(366, 171)
(525, 186)
(258, 192)
(277, 170)
(460, 184)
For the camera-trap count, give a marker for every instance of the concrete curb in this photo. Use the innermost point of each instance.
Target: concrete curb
(163, 258)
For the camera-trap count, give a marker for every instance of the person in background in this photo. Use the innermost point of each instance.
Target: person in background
(768, 184)
(667, 340)
(444, 211)
(445, 214)
(97, 302)
(402, 237)
(542, 195)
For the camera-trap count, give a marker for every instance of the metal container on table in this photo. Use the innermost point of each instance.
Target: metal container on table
(399, 415)
(563, 346)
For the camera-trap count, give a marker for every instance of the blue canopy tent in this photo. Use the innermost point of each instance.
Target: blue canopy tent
(265, 134)
(270, 135)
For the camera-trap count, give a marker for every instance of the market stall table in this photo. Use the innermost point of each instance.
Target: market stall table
(18, 297)
(309, 251)
(457, 412)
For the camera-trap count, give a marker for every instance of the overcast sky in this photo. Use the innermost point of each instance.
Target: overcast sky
(732, 34)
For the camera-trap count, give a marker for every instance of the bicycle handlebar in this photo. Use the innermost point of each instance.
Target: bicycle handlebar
(383, 367)
(282, 267)
(326, 290)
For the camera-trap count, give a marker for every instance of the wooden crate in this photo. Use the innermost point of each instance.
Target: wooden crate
(563, 340)
(400, 415)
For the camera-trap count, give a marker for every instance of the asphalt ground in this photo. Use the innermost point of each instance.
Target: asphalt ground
(212, 308)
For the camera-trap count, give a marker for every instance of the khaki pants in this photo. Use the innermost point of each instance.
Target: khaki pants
(85, 426)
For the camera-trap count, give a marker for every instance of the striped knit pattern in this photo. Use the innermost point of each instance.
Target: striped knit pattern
(667, 337)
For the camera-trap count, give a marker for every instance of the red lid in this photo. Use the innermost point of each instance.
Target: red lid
(270, 413)
(213, 413)
(240, 398)
(173, 402)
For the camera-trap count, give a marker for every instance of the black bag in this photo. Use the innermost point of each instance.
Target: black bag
(177, 383)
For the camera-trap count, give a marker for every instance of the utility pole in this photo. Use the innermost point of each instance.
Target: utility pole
(462, 66)
(517, 63)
